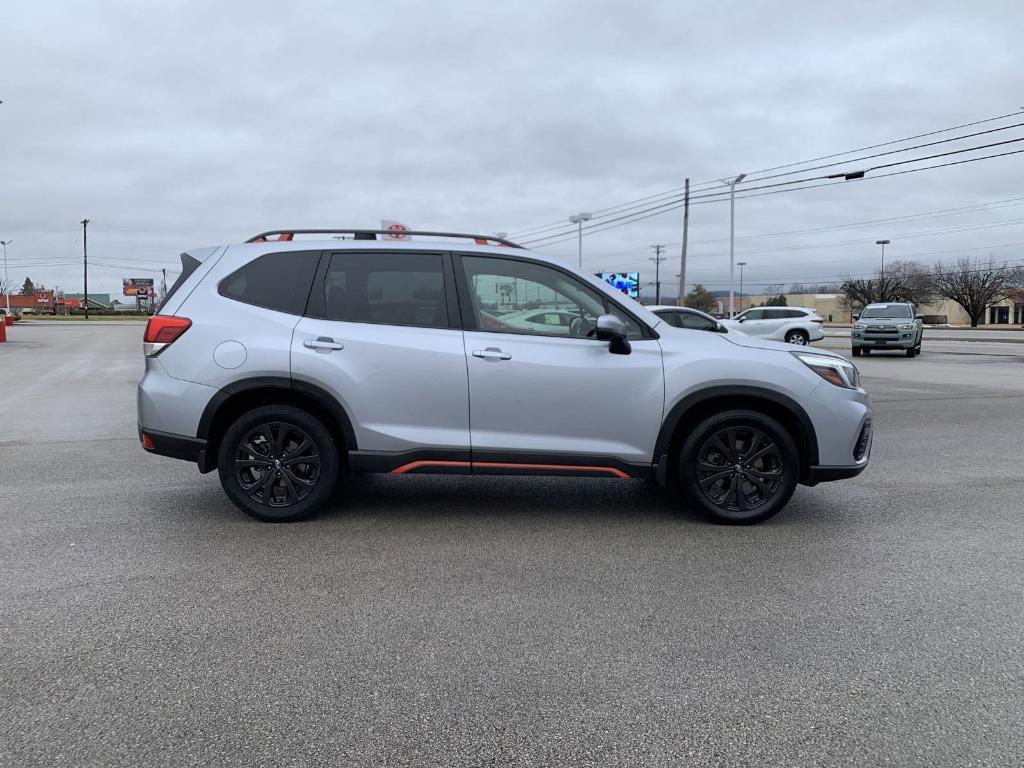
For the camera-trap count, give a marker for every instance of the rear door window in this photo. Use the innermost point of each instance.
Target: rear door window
(698, 322)
(278, 281)
(672, 318)
(387, 288)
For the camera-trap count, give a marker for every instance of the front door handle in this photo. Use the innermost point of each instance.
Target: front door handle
(492, 353)
(323, 344)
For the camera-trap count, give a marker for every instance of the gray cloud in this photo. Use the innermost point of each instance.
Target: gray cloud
(183, 124)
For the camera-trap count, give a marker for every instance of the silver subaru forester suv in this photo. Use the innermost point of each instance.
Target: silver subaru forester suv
(296, 359)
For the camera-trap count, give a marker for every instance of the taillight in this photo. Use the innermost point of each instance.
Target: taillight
(162, 330)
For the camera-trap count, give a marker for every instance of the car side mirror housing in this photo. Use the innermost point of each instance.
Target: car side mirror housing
(613, 330)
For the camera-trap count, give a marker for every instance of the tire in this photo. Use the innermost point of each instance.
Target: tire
(798, 337)
(911, 351)
(259, 467)
(755, 492)
(855, 351)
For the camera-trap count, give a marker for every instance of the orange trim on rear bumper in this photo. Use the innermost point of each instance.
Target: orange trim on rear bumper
(413, 465)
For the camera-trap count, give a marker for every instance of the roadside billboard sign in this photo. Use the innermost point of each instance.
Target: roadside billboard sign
(137, 286)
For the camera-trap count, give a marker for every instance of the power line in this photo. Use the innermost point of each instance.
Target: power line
(676, 190)
(697, 200)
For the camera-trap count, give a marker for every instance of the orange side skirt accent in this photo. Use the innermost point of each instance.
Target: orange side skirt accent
(508, 465)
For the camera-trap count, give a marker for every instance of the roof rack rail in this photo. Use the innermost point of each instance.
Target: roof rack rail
(371, 234)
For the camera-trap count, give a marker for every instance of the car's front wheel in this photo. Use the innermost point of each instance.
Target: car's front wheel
(278, 463)
(738, 467)
(797, 337)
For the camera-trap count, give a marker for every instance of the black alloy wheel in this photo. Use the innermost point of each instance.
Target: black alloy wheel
(738, 467)
(278, 463)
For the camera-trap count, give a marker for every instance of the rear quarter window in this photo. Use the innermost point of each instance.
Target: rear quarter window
(188, 266)
(278, 281)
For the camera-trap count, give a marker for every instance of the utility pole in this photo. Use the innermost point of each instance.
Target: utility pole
(7, 288)
(85, 266)
(578, 220)
(163, 284)
(681, 300)
(657, 258)
(881, 275)
(732, 238)
(741, 265)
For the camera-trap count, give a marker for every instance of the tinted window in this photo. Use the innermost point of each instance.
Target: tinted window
(278, 281)
(698, 322)
(672, 318)
(507, 295)
(754, 314)
(887, 310)
(188, 266)
(388, 288)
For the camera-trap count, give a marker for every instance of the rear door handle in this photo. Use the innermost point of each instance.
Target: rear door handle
(323, 344)
(492, 353)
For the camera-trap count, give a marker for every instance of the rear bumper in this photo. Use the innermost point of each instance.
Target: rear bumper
(174, 446)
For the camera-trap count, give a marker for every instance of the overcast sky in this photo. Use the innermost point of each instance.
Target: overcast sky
(173, 125)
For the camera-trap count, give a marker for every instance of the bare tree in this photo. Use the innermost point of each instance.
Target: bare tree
(976, 284)
(903, 281)
(915, 282)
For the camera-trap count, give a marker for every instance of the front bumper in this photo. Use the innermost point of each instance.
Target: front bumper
(817, 475)
(888, 339)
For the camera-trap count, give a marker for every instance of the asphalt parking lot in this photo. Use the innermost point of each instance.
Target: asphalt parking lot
(457, 621)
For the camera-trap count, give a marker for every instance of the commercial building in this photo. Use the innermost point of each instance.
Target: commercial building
(831, 306)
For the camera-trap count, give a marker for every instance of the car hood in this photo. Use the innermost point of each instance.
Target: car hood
(752, 342)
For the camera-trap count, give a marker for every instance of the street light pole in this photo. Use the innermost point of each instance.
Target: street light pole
(881, 278)
(741, 265)
(578, 220)
(732, 237)
(7, 286)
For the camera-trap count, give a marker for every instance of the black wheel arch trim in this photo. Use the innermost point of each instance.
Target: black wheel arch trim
(663, 446)
(312, 391)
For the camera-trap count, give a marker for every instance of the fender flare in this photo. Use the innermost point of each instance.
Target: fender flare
(320, 396)
(683, 407)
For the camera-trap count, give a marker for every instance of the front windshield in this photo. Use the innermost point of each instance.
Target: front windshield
(887, 310)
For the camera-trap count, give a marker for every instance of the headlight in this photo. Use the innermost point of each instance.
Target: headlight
(907, 327)
(833, 370)
(859, 327)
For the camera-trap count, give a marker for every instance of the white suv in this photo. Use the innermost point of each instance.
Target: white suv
(793, 325)
(293, 360)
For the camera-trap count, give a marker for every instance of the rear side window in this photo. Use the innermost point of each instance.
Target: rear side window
(697, 322)
(672, 318)
(279, 281)
(188, 266)
(387, 288)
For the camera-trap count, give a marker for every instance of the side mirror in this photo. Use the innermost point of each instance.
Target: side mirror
(919, 317)
(613, 330)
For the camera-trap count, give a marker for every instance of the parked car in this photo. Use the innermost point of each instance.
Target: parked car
(895, 325)
(793, 325)
(287, 364)
(687, 317)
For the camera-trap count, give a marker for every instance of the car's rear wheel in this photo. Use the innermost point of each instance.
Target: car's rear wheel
(797, 337)
(738, 467)
(278, 463)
